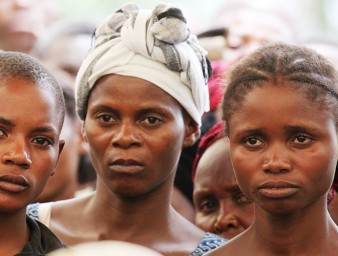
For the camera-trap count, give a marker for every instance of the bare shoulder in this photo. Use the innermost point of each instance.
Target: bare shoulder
(68, 220)
(187, 239)
(188, 231)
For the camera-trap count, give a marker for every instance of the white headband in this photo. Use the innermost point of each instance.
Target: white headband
(155, 46)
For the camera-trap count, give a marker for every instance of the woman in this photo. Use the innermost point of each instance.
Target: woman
(140, 91)
(280, 109)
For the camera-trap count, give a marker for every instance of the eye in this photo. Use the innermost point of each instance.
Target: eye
(208, 205)
(104, 118)
(2, 134)
(302, 139)
(253, 142)
(44, 142)
(151, 120)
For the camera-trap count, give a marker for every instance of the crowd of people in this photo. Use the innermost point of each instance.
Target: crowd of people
(132, 135)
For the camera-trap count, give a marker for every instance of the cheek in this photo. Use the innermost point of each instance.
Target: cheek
(164, 155)
(321, 168)
(244, 167)
(248, 214)
(204, 222)
(97, 139)
(167, 146)
(45, 165)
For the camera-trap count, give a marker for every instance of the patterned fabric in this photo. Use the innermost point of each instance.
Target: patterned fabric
(32, 211)
(154, 45)
(208, 243)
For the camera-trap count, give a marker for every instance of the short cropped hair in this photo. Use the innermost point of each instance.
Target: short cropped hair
(22, 66)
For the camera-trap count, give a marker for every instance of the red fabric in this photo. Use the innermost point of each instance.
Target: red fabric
(216, 88)
(331, 195)
(215, 133)
(335, 181)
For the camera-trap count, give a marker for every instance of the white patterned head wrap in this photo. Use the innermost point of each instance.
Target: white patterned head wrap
(152, 45)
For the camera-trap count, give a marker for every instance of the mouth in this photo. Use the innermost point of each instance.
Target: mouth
(13, 183)
(126, 166)
(277, 189)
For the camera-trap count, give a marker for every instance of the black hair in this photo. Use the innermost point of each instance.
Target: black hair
(22, 66)
(282, 64)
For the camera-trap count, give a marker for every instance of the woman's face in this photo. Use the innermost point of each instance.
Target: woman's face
(220, 206)
(283, 148)
(23, 22)
(135, 132)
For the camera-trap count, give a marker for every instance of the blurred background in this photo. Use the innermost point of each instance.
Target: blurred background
(307, 16)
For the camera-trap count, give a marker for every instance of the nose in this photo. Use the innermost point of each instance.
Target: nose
(226, 220)
(276, 160)
(125, 136)
(17, 154)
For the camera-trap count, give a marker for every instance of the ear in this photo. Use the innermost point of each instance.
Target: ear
(82, 144)
(192, 133)
(83, 132)
(61, 145)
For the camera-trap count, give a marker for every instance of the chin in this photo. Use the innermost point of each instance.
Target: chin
(128, 192)
(280, 209)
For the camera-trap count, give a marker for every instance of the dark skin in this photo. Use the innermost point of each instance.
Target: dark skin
(289, 167)
(149, 129)
(29, 151)
(221, 208)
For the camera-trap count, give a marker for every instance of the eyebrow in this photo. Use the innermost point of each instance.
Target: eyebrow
(42, 129)
(289, 128)
(253, 131)
(296, 128)
(7, 122)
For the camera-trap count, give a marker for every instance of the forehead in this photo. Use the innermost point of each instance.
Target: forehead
(215, 163)
(25, 98)
(130, 91)
(279, 105)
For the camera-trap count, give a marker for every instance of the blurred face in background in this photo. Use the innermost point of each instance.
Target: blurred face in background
(220, 206)
(67, 53)
(23, 21)
(250, 28)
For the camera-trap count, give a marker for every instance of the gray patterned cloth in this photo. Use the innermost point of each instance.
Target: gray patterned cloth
(154, 45)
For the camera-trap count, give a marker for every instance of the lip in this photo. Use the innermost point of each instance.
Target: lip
(13, 183)
(126, 166)
(277, 189)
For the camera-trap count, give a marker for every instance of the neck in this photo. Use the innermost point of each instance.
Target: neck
(289, 234)
(14, 225)
(153, 208)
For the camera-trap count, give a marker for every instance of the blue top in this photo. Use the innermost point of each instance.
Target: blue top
(208, 243)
